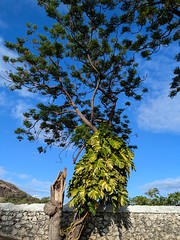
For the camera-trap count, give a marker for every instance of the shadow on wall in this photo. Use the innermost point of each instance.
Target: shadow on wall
(107, 224)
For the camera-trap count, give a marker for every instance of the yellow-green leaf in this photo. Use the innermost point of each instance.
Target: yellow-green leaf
(93, 194)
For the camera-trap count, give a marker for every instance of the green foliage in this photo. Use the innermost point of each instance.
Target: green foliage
(44, 200)
(157, 24)
(152, 193)
(81, 135)
(173, 199)
(155, 199)
(79, 64)
(100, 177)
(23, 199)
(83, 64)
(139, 200)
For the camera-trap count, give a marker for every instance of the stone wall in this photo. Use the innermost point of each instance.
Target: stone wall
(28, 222)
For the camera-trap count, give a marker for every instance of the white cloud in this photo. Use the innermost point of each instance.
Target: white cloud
(27, 183)
(159, 70)
(15, 107)
(165, 186)
(18, 109)
(25, 93)
(6, 68)
(36, 187)
(3, 66)
(158, 112)
(5, 51)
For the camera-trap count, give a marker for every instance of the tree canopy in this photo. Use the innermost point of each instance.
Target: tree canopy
(155, 24)
(84, 64)
(154, 198)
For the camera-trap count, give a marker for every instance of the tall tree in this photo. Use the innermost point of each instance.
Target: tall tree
(152, 193)
(83, 65)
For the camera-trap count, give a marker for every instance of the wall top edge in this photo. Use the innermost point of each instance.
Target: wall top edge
(131, 209)
(22, 207)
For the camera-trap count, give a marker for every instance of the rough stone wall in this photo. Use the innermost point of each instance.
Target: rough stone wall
(149, 226)
(28, 222)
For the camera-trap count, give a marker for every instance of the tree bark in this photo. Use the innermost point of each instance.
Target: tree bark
(54, 208)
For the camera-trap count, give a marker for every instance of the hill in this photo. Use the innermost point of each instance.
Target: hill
(11, 193)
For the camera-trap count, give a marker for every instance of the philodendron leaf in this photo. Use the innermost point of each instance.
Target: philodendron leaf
(105, 168)
(93, 194)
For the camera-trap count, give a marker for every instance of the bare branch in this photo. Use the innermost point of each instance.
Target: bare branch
(79, 152)
(92, 65)
(93, 98)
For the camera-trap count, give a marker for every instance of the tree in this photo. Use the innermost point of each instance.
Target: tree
(173, 199)
(152, 193)
(139, 200)
(79, 65)
(156, 24)
(155, 199)
(84, 64)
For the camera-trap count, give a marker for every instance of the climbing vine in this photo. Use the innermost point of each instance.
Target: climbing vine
(101, 175)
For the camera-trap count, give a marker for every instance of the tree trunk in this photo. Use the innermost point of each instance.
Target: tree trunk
(54, 208)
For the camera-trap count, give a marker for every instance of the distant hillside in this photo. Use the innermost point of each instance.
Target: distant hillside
(11, 193)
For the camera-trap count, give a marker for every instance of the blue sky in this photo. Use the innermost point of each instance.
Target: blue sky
(155, 121)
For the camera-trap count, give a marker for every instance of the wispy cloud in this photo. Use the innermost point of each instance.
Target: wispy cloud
(3, 99)
(158, 112)
(3, 172)
(18, 110)
(26, 183)
(21, 175)
(4, 50)
(165, 186)
(14, 107)
(37, 188)
(3, 66)
(6, 103)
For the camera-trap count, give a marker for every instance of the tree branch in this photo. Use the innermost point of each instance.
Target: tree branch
(79, 113)
(111, 114)
(92, 65)
(79, 152)
(93, 98)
